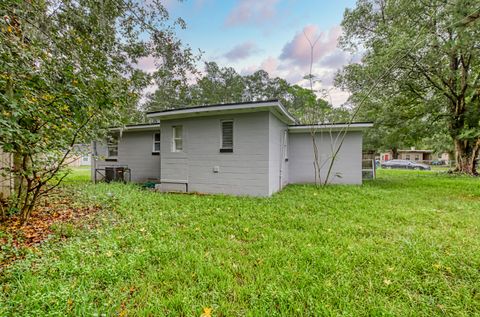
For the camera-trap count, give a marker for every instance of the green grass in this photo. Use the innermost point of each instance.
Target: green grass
(406, 244)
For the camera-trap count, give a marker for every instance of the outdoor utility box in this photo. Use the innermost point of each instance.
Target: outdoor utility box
(114, 174)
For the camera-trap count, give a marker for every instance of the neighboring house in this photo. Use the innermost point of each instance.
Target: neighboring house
(79, 160)
(242, 149)
(79, 156)
(444, 157)
(410, 155)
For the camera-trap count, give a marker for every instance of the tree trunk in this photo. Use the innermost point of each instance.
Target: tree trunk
(17, 166)
(394, 153)
(466, 155)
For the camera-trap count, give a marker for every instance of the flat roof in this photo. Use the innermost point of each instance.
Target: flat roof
(137, 127)
(334, 126)
(273, 106)
(418, 151)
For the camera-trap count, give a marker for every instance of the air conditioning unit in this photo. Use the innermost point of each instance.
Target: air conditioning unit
(115, 174)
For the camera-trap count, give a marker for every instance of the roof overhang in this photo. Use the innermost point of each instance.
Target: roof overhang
(416, 151)
(137, 127)
(275, 107)
(333, 127)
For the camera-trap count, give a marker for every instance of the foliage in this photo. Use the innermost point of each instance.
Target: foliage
(225, 85)
(385, 248)
(67, 72)
(420, 72)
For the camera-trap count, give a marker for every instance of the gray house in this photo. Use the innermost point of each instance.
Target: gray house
(251, 148)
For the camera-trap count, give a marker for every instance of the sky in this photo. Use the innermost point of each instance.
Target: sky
(249, 35)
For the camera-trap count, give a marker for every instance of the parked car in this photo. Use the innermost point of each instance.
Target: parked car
(438, 162)
(405, 164)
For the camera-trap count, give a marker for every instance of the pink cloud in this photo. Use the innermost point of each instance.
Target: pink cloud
(241, 51)
(252, 11)
(147, 64)
(298, 50)
(270, 65)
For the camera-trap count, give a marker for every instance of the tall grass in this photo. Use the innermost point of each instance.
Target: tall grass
(406, 244)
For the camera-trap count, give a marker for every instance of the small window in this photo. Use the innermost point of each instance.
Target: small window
(227, 136)
(112, 146)
(417, 157)
(407, 157)
(156, 142)
(177, 139)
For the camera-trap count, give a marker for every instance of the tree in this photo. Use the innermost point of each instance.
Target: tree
(225, 85)
(66, 74)
(421, 62)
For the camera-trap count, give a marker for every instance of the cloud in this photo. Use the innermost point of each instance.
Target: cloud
(252, 11)
(294, 74)
(270, 65)
(335, 60)
(298, 50)
(147, 64)
(241, 51)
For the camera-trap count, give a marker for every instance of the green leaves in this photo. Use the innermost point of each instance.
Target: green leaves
(224, 85)
(67, 73)
(419, 71)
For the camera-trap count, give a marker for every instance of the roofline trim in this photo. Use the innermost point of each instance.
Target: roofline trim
(354, 126)
(419, 151)
(181, 112)
(139, 127)
(212, 105)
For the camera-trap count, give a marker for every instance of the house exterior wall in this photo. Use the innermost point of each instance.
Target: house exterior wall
(408, 155)
(348, 164)
(134, 150)
(413, 156)
(79, 160)
(245, 171)
(277, 166)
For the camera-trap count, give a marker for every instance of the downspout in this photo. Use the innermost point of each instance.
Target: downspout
(160, 157)
(94, 159)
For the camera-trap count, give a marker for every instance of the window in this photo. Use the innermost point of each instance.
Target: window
(407, 157)
(417, 157)
(112, 146)
(156, 142)
(177, 139)
(227, 136)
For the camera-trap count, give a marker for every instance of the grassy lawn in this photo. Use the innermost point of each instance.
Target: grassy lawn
(406, 244)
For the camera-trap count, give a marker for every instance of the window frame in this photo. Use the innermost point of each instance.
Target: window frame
(110, 144)
(159, 142)
(222, 148)
(176, 138)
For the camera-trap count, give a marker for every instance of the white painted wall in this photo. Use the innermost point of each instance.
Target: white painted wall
(276, 135)
(135, 150)
(252, 169)
(243, 172)
(347, 166)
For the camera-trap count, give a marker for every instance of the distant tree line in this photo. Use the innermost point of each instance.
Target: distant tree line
(419, 78)
(218, 85)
